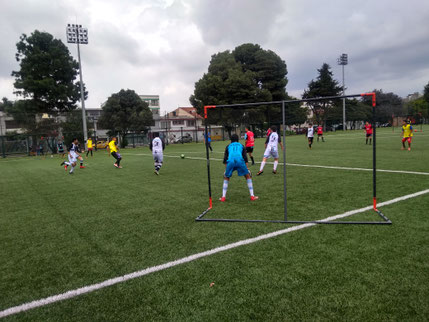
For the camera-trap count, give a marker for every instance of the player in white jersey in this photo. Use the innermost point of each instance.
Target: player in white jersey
(310, 134)
(73, 155)
(157, 147)
(271, 150)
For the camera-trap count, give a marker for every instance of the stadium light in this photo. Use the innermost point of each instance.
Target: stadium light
(343, 60)
(76, 34)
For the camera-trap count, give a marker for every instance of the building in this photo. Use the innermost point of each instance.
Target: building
(182, 122)
(153, 102)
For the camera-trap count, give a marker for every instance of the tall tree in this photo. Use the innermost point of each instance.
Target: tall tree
(426, 93)
(125, 111)
(325, 85)
(47, 73)
(247, 74)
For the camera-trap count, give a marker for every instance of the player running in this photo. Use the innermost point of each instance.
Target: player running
(250, 143)
(90, 146)
(310, 135)
(368, 131)
(271, 150)
(235, 158)
(73, 156)
(407, 134)
(157, 147)
(320, 133)
(113, 148)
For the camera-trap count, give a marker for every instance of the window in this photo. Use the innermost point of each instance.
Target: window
(191, 123)
(178, 122)
(164, 125)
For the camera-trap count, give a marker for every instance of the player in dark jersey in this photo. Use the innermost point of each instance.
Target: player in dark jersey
(235, 159)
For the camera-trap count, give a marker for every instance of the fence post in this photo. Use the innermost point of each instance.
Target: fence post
(3, 147)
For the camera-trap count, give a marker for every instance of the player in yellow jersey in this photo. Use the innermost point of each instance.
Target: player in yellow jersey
(407, 134)
(90, 146)
(113, 148)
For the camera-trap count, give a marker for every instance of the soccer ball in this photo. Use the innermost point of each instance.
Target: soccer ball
(182, 156)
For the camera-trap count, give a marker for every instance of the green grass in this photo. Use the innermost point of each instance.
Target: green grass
(60, 232)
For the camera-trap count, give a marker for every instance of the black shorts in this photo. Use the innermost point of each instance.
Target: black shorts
(368, 135)
(115, 155)
(319, 134)
(310, 139)
(249, 149)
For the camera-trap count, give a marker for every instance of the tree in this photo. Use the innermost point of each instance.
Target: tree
(388, 105)
(72, 127)
(325, 85)
(426, 93)
(47, 73)
(247, 74)
(125, 111)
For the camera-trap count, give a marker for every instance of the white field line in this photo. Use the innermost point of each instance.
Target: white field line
(308, 165)
(157, 268)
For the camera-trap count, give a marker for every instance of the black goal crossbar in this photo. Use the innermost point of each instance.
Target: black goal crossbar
(385, 220)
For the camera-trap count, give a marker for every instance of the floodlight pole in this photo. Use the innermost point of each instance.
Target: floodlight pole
(73, 36)
(343, 60)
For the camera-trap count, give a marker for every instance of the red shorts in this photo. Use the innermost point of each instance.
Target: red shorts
(408, 139)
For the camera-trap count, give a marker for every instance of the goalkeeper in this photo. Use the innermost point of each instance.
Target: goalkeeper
(235, 159)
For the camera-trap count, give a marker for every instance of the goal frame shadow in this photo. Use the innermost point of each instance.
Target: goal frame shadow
(385, 221)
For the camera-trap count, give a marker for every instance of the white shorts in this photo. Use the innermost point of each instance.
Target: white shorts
(72, 157)
(271, 152)
(158, 157)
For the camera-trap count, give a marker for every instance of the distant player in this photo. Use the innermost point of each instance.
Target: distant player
(209, 141)
(235, 159)
(310, 135)
(60, 149)
(114, 151)
(407, 134)
(89, 145)
(250, 143)
(320, 133)
(271, 150)
(157, 147)
(368, 131)
(73, 156)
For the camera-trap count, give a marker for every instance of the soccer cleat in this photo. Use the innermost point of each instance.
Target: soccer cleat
(65, 167)
(259, 173)
(409, 149)
(156, 172)
(120, 167)
(62, 163)
(275, 171)
(116, 166)
(82, 167)
(222, 199)
(253, 198)
(71, 172)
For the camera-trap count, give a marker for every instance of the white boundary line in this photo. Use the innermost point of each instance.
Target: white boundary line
(307, 165)
(157, 268)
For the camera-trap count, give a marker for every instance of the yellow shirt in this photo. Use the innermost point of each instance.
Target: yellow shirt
(407, 130)
(112, 146)
(89, 143)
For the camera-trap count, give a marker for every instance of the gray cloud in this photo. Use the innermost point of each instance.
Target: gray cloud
(164, 46)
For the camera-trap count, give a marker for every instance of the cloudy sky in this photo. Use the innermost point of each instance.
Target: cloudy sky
(164, 46)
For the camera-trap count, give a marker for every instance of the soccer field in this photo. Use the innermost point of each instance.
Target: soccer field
(74, 240)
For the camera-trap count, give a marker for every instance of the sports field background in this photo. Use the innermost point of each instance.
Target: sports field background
(59, 232)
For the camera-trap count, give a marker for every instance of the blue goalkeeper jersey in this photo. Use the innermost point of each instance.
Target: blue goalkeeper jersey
(235, 152)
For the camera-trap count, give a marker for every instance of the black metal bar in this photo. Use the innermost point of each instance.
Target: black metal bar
(208, 161)
(284, 160)
(202, 214)
(374, 159)
(289, 101)
(300, 222)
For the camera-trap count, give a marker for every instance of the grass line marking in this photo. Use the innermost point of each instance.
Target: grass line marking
(157, 268)
(307, 165)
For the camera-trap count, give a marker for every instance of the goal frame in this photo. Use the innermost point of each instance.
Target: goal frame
(207, 108)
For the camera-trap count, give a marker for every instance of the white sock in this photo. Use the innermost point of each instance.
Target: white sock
(67, 163)
(275, 165)
(262, 166)
(225, 188)
(250, 186)
(72, 169)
